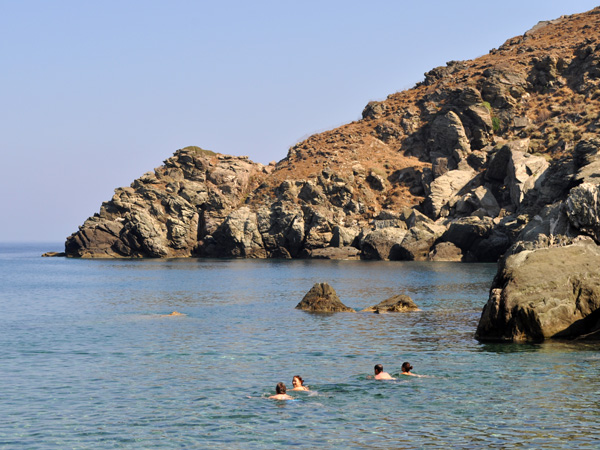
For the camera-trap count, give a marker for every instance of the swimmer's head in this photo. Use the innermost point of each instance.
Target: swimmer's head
(297, 380)
(406, 367)
(280, 388)
(378, 369)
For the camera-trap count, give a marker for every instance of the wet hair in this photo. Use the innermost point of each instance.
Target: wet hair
(406, 367)
(280, 388)
(299, 379)
(378, 369)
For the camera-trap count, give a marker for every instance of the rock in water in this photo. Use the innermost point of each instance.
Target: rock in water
(53, 254)
(322, 298)
(397, 303)
(545, 293)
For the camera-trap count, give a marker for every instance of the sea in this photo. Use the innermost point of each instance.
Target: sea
(91, 359)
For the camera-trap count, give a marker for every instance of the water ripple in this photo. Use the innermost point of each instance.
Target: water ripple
(90, 361)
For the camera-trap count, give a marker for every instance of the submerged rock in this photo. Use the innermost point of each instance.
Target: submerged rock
(545, 293)
(53, 254)
(322, 298)
(397, 303)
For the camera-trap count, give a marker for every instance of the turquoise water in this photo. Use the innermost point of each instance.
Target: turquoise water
(89, 362)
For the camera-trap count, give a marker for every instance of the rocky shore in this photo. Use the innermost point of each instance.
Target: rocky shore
(484, 158)
(474, 159)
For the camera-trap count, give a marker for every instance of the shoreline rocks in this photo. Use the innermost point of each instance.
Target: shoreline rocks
(469, 157)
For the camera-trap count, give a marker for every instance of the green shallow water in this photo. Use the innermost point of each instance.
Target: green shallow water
(89, 362)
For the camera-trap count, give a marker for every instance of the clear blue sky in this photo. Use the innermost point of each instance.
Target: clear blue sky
(95, 93)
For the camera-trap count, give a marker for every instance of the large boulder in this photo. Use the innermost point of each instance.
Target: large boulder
(444, 189)
(282, 229)
(545, 293)
(468, 232)
(96, 239)
(238, 236)
(448, 137)
(344, 236)
(549, 227)
(396, 303)
(416, 244)
(501, 86)
(479, 202)
(523, 172)
(322, 298)
(383, 244)
(583, 209)
(445, 251)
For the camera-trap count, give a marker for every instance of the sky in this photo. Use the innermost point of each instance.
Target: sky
(95, 93)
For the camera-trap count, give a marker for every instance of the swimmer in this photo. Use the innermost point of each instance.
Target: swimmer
(381, 375)
(406, 370)
(298, 384)
(281, 393)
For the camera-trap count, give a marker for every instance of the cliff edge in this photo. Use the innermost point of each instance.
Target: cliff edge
(482, 158)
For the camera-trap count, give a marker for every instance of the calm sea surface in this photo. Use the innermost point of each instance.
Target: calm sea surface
(89, 361)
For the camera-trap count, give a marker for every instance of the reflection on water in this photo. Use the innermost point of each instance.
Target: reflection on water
(90, 360)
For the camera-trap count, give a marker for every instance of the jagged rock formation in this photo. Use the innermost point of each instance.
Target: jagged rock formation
(396, 303)
(484, 156)
(545, 293)
(171, 211)
(322, 298)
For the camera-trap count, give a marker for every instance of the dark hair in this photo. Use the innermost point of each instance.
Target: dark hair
(299, 379)
(280, 388)
(378, 369)
(406, 367)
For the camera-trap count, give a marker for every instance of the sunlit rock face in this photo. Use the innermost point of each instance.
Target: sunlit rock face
(494, 155)
(546, 293)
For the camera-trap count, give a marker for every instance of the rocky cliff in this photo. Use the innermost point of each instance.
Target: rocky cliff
(483, 156)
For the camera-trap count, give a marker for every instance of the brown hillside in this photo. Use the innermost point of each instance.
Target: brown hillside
(557, 108)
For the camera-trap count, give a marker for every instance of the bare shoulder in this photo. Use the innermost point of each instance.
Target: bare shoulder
(384, 376)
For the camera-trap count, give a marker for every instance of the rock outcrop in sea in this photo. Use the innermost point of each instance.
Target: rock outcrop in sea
(396, 303)
(322, 298)
(480, 157)
(545, 293)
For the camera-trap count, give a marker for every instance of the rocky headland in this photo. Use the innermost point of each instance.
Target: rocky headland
(483, 158)
(480, 155)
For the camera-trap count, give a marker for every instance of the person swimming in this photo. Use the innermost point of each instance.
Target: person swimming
(298, 384)
(281, 393)
(406, 369)
(381, 375)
